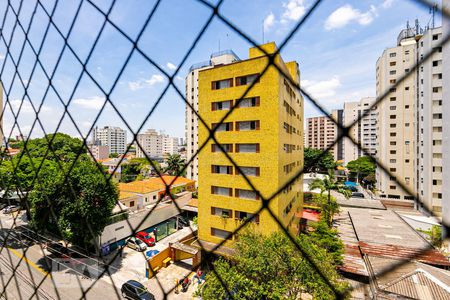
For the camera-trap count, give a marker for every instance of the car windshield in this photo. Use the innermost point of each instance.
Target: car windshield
(138, 241)
(141, 290)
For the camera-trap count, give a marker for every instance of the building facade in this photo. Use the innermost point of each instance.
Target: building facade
(263, 135)
(429, 131)
(446, 124)
(113, 137)
(363, 132)
(395, 123)
(155, 145)
(98, 151)
(191, 128)
(321, 133)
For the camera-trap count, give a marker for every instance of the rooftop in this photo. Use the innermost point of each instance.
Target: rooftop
(153, 184)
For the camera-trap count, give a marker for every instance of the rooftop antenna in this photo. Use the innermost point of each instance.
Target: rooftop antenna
(433, 10)
(219, 45)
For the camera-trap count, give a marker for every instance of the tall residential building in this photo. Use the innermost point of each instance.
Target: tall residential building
(98, 151)
(338, 150)
(2, 134)
(113, 137)
(263, 135)
(446, 123)
(364, 132)
(395, 124)
(216, 59)
(320, 133)
(429, 121)
(155, 144)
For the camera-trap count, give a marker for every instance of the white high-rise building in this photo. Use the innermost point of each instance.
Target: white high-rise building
(113, 137)
(155, 144)
(219, 58)
(395, 124)
(429, 122)
(364, 132)
(446, 121)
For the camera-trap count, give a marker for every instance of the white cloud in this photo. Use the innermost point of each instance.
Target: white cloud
(26, 107)
(86, 124)
(2, 56)
(95, 102)
(142, 83)
(294, 10)
(346, 14)
(387, 3)
(269, 21)
(321, 89)
(179, 78)
(171, 66)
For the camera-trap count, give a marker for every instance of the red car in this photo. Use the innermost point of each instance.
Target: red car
(146, 238)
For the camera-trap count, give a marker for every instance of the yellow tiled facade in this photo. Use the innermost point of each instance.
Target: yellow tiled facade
(265, 136)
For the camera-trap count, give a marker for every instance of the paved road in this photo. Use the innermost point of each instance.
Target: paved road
(30, 272)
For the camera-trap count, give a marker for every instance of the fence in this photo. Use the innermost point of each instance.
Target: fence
(21, 41)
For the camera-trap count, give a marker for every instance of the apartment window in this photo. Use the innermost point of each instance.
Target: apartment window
(437, 169)
(392, 63)
(406, 52)
(406, 70)
(223, 127)
(435, 37)
(406, 106)
(437, 129)
(393, 187)
(246, 194)
(216, 169)
(392, 72)
(393, 152)
(407, 161)
(247, 148)
(392, 178)
(437, 155)
(393, 125)
(392, 54)
(392, 90)
(392, 81)
(248, 171)
(392, 98)
(225, 213)
(248, 102)
(437, 182)
(221, 191)
(222, 84)
(242, 215)
(392, 107)
(392, 117)
(393, 134)
(435, 63)
(222, 105)
(437, 116)
(226, 147)
(392, 161)
(406, 88)
(435, 90)
(247, 125)
(437, 142)
(439, 76)
(223, 234)
(248, 79)
(392, 169)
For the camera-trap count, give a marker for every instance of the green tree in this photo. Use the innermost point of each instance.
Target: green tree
(328, 184)
(63, 147)
(327, 238)
(361, 167)
(113, 155)
(77, 206)
(271, 267)
(314, 162)
(174, 164)
(137, 169)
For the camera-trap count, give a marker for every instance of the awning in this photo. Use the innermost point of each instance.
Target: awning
(190, 208)
(310, 215)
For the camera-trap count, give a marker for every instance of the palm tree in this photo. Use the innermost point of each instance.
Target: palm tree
(174, 164)
(328, 184)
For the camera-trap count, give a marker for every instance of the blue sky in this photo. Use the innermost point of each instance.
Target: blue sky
(336, 49)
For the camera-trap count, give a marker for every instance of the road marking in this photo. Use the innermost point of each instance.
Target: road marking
(32, 264)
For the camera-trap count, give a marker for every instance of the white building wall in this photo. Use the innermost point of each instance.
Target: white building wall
(446, 119)
(428, 167)
(113, 137)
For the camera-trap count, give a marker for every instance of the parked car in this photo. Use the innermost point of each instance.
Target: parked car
(146, 238)
(352, 188)
(135, 290)
(357, 195)
(11, 208)
(3, 205)
(136, 244)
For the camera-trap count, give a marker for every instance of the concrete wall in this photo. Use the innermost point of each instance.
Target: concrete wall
(123, 229)
(446, 119)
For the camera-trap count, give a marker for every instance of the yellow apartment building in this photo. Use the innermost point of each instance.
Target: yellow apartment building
(263, 135)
